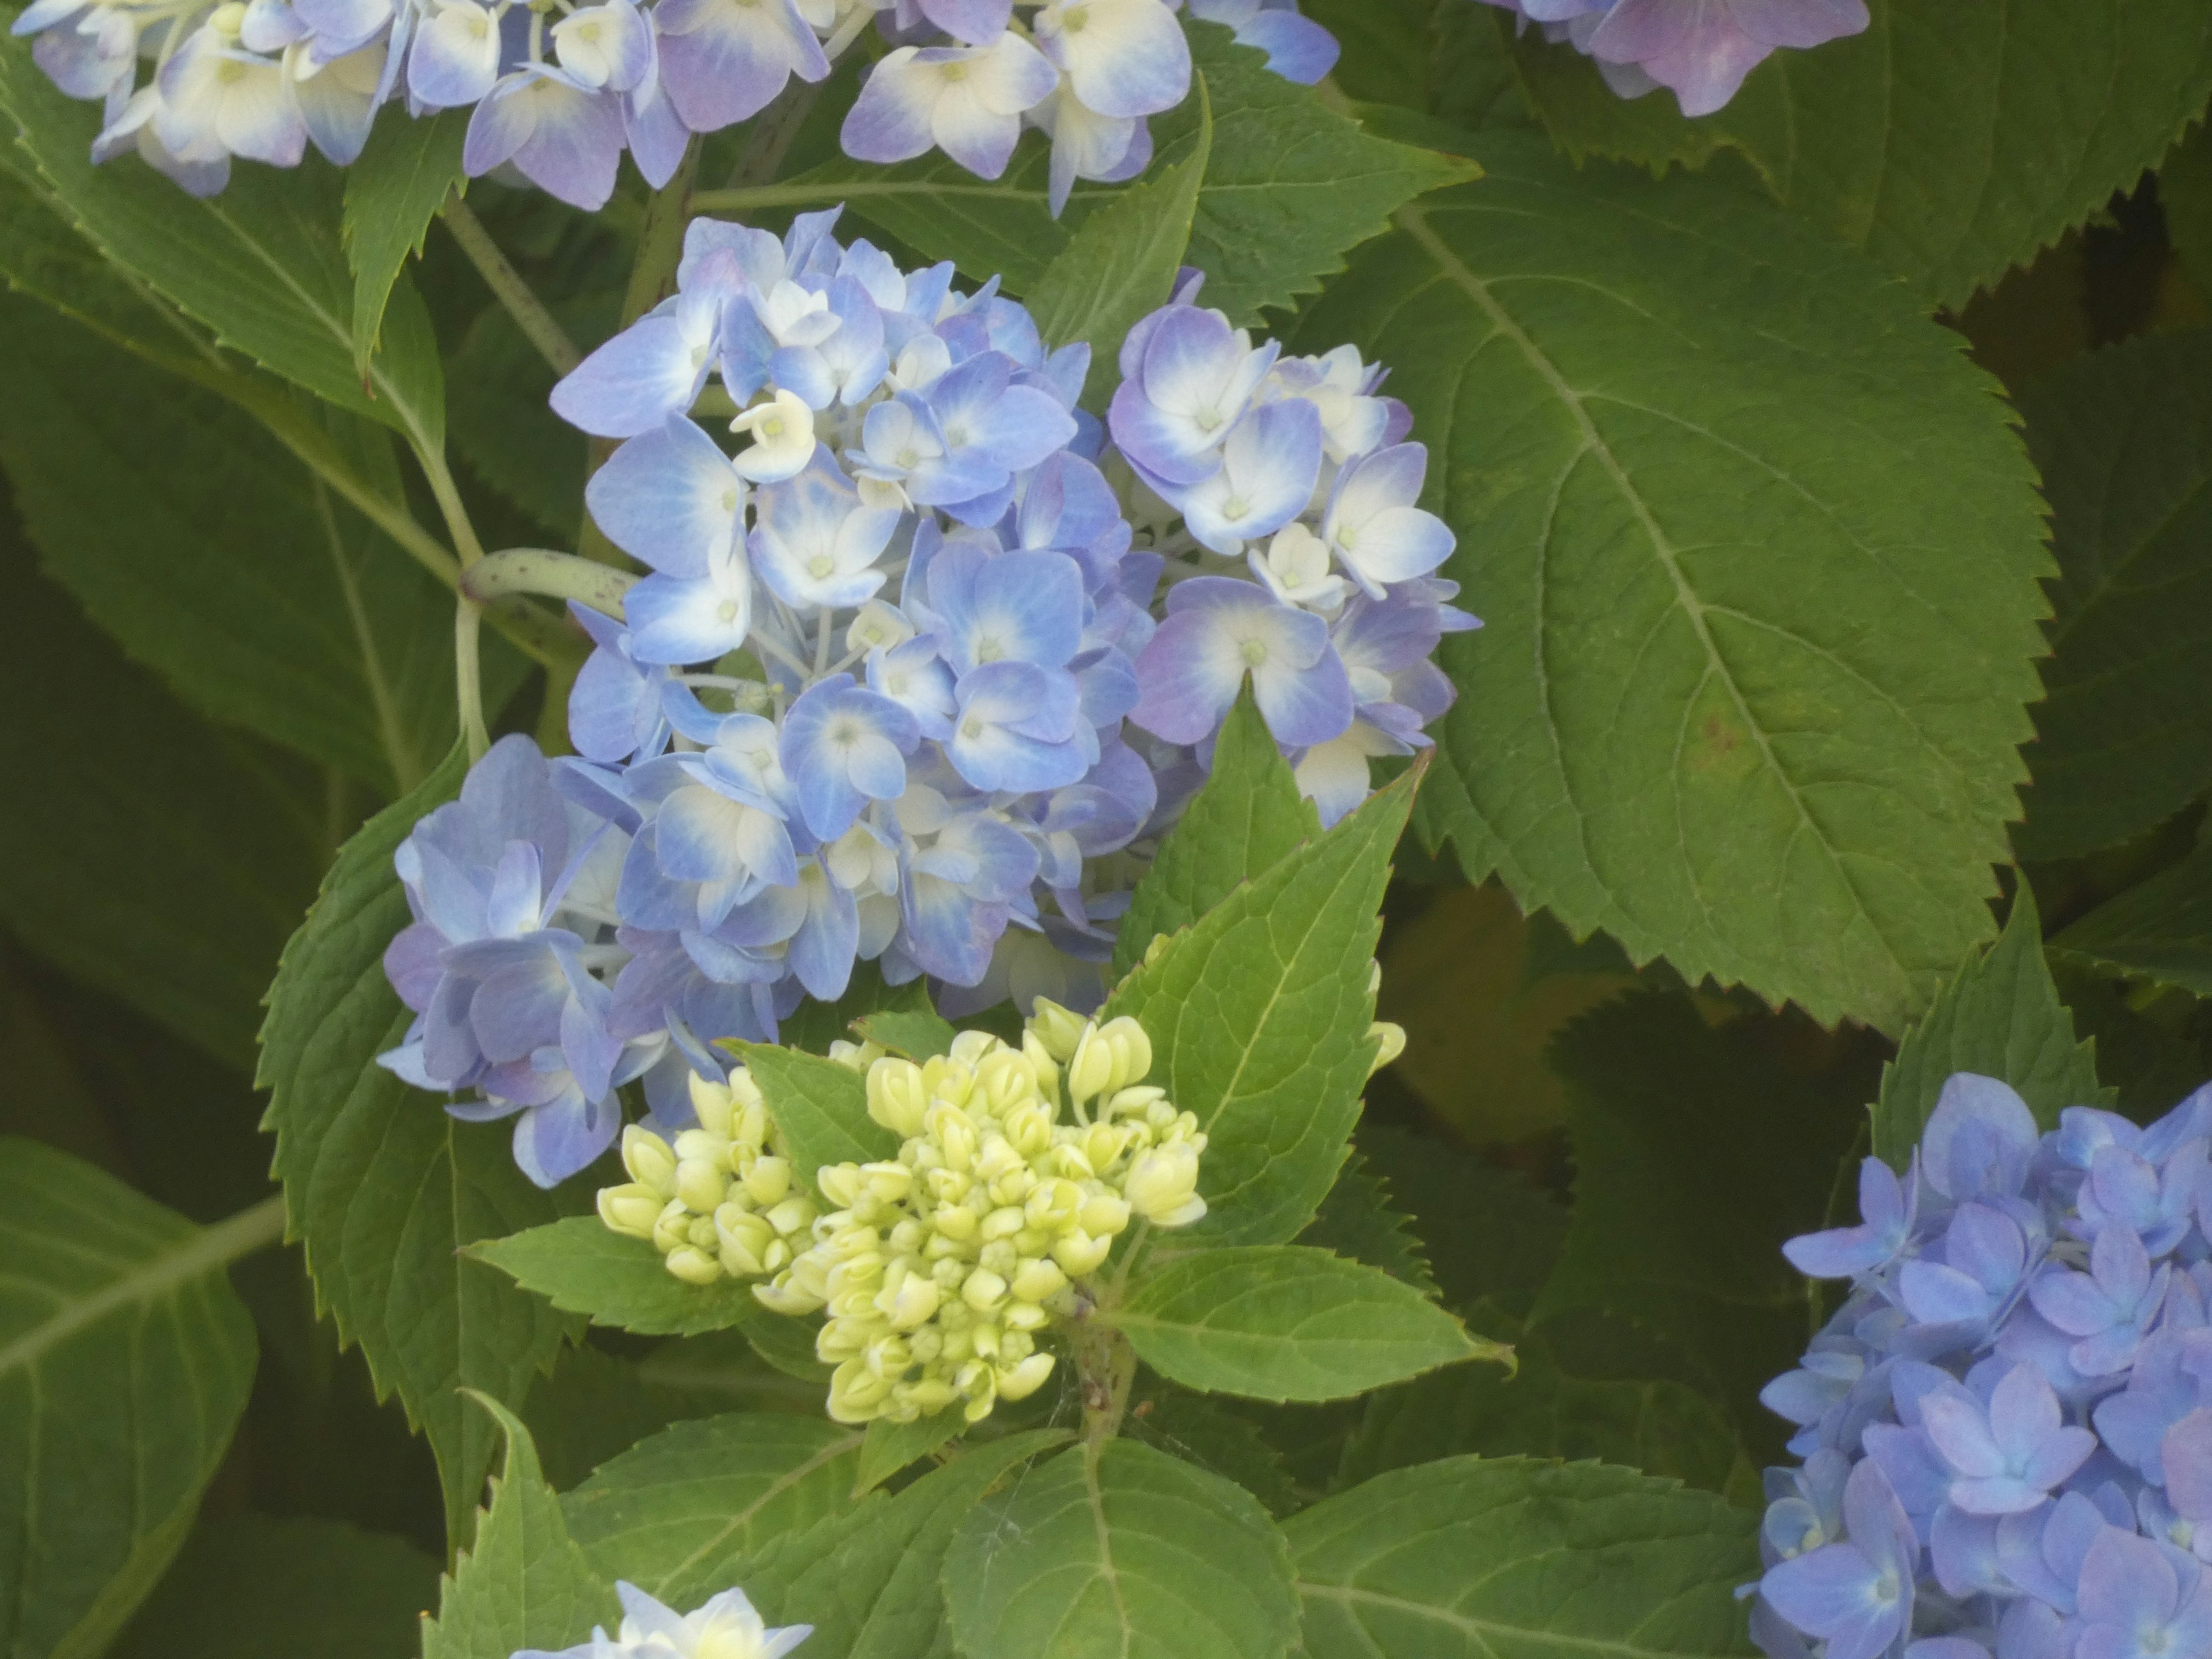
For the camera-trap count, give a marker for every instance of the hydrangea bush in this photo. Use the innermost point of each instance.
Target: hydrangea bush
(1105, 827)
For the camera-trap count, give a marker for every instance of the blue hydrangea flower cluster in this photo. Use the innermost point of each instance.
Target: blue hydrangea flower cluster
(896, 687)
(560, 90)
(2007, 1427)
(1700, 50)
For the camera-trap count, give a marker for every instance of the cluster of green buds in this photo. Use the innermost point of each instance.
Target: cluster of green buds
(722, 1200)
(939, 1269)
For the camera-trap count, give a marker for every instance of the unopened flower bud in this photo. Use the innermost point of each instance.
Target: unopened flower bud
(855, 1056)
(648, 1159)
(1043, 1067)
(1059, 1029)
(915, 1301)
(1163, 1186)
(702, 1184)
(1026, 1378)
(1078, 1253)
(745, 1240)
(969, 1049)
(896, 1096)
(840, 1183)
(983, 1291)
(1037, 1281)
(767, 1180)
(1102, 1215)
(713, 1105)
(693, 1266)
(630, 1209)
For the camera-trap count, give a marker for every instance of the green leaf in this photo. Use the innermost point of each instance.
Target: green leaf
(888, 1447)
(1217, 1435)
(383, 1188)
(2124, 737)
(259, 265)
(1288, 186)
(125, 1363)
(1120, 264)
(1259, 1017)
(1245, 818)
(1697, 1153)
(2159, 930)
(1287, 1321)
(819, 1106)
(1357, 1220)
(1583, 1560)
(920, 1035)
(581, 1266)
(1757, 550)
(681, 1515)
(169, 884)
(1484, 1230)
(524, 1583)
(2185, 191)
(2001, 1017)
(867, 1580)
(596, 1406)
(815, 1025)
(1119, 1550)
(253, 1587)
(392, 192)
(2043, 109)
(1656, 1425)
(260, 598)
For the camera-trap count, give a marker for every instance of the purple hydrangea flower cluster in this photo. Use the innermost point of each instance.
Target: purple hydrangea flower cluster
(559, 91)
(895, 688)
(1280, 494)
(2007, 1427)
(1700, 50)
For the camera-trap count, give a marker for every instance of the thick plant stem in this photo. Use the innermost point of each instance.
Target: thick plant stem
(529, 312)
(468, 680)
(557, 575)
(1106, 1366)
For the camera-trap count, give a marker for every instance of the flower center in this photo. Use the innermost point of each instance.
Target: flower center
(728, 612)
(1254, 652)
(972, 727)
(987, 649)
(1235, 507)
(820, 565)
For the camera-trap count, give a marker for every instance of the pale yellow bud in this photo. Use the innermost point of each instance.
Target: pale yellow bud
(694, 1266)
(856, 1394)
(1026, 1378)
(745, 1240)
(1089, 1069)
(897, 1096)
(672, 1228)
(783, 1297)
(1057, 1028)
(969, 1047)
(1389, 1043)
(954, 1135)
(1029, 1127)
(1102, 1215)
(984, 1289)
(929, 1396)
(630, 1209)
(955, 1221)
(1078, 1253)
(1043, 1067)
(792, 1216)
(1037, 1281)
(1003, 1223)
(767, 1180)
(702, 1184)
(1053, 1204)
(648, 1159)
(915, 1301)
(840, 1183)
(855, 1056)
(1163, 1186)
(1101, 1144)
(1023, 1318)
(887, 1183)
(712, 1102)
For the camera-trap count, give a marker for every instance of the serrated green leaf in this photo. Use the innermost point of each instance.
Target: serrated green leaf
(382, 1187)
(524, 1583)
(1484, 1231)
(1290, 186)
(169, 885)
(2001, 1017)
(1656, 1425)
(683, 1514)
(1120, 264)
(253, 1587)
(2043, 109)
(1757, 550)
(392, 192)
(260, 598)
(1245, 818)
(919, 1035)
(2159, 930)
(888, 1447)
(2185, 192)
(1119, 1550)
(1287, 1321)
(582, 1266)
(259, 265)
(819, 1106)
(1583, 1560)
(2123, 736)
(1259, 1018)
(1219, 1436)
(1358, 1221)
(867, 1580)
(1697, 1153)
(125, 1363)
(595, 1407)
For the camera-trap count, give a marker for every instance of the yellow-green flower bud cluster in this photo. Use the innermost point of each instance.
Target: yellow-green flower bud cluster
(939, 1268)
(720, 1201)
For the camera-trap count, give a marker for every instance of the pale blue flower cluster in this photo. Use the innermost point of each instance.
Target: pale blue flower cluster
(2007, 1427)
(726, 1627)
(1700, 50)
(559, 90)
(895, 689)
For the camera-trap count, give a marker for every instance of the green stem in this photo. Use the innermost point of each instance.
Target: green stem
(555, 575)
(1105, 1367)
(529, 312)
(468, 677)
